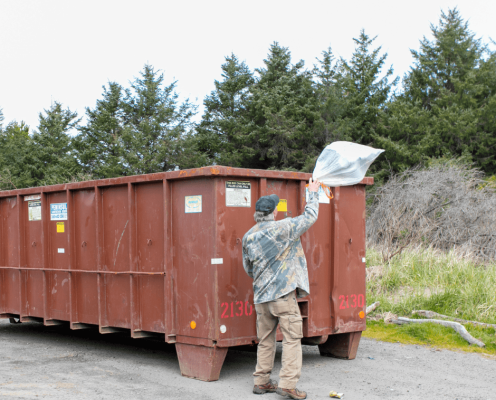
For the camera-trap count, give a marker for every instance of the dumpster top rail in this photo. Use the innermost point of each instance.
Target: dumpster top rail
(172, 175)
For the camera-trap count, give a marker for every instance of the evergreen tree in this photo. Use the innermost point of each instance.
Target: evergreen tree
(157, 128)
(52, 150)
(366, 92)
(448, 99)
(283, 109)
(16, 162)
(99, 147)
(328, 82)
(225, 117)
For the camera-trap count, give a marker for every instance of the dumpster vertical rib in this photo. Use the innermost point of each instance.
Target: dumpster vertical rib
(99, 247)
(44, 246)
(169, 298)
(133, 289)
(262, 187)
(2, 262)
(71, 218)
(215, 271)
(21, 257)
(301, 198)
(334, 254)
(2, 272)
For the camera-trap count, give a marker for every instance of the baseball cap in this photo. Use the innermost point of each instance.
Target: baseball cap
(267, 204)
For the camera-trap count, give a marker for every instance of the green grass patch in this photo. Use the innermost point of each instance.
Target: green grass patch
(424, 279)
(433, 335)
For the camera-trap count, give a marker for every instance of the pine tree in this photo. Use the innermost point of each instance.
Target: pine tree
(157, 128)
(99, 147)
(366, 92)
(225, 117)
(16, 162)
(283, 108)
(52, 150)
(448, 98)
(328, 83)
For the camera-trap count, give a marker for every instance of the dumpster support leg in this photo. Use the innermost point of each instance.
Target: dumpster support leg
(200, 362)
(342, 345)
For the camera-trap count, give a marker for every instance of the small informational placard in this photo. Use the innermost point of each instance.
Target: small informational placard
(32, 197)
(322, 196)
(60, 227)
(192, 204)
(283, 205)
(58, 212)
(238, 194)
(61, 250)
(34, 210)
(217, 261)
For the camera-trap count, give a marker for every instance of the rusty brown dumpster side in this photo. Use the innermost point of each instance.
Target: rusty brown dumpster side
(161, 254)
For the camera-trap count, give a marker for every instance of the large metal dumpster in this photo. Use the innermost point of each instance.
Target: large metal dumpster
(161, 254)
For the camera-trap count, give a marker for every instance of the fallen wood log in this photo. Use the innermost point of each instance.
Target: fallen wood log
(372, 307)
(432, 314)
(459, 328)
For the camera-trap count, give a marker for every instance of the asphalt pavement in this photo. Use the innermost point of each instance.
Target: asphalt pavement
(54, 362)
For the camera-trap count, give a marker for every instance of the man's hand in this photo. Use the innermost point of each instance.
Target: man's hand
(313, 186)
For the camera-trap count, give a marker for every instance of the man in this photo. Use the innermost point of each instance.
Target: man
(274, 258)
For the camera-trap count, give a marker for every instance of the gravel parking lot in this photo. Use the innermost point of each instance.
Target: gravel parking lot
(57, 363)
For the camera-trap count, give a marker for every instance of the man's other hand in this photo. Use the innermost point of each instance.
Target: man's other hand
(313, 186)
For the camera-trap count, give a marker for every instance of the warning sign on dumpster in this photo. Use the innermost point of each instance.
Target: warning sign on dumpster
(238, 194)
(58, 212)
(34, 210)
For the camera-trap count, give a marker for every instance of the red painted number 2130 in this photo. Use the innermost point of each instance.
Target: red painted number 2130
(237, 309)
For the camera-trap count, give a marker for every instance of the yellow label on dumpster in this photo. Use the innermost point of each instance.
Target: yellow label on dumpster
(60, 227)
(283, 205)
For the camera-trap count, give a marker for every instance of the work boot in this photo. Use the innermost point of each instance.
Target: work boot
(291, 393)
(269, 387)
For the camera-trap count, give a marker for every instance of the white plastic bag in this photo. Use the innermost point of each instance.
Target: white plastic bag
(344, 163)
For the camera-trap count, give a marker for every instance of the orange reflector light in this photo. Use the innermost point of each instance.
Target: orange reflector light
(361, 314)
(193, 324)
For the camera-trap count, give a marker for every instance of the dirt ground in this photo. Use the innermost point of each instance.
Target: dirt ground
(56, 363)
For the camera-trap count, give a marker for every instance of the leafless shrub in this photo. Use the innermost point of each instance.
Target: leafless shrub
(6, 181)
(444, 206)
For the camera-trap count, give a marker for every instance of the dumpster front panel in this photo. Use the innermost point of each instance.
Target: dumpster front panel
(84, 219)
(194, 248)
(348, 279)
(116, 232)
(33, 279)
(57, 248)
(236, 323)
(149, 289)
(317, 244)
(9, 255)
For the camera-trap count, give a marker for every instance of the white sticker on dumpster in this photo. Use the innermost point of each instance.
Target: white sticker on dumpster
(192, 204)
(34, 210)
(238, 194)
(322, 196)
(58, 212)
(61, 250)
(217, 261)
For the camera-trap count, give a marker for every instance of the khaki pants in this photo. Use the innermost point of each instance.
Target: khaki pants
(286, 312)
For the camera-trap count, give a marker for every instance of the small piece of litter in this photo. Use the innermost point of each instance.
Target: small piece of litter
(371, 358)
(336, 395)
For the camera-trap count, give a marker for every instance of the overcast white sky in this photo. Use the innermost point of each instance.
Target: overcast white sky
(66, 50)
